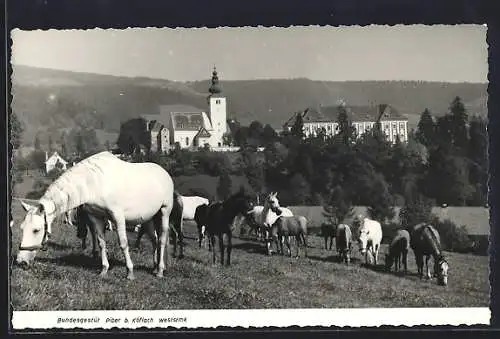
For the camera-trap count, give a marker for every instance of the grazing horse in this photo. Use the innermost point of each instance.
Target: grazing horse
(398, 250)
(370, 237)
(271, 211)
(220, 218)
(285, 227)
(189, 205)
(125, 193)
(425, 241)
(343, 243)
(328, 231)
(79, 218)
(176, 231)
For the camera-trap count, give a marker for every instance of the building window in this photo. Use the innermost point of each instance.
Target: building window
(187, 141)
(217, 101)
(402, 126)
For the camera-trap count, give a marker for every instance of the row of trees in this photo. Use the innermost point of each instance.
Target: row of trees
(443, 162)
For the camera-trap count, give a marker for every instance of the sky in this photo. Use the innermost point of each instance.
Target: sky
(451, 53)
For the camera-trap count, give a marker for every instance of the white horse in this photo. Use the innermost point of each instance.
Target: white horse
(370, 237)
(271, 211)
(125, 193)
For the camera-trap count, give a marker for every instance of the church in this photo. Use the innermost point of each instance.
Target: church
(187, 126)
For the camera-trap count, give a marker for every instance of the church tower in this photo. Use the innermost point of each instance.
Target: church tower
(218, 114)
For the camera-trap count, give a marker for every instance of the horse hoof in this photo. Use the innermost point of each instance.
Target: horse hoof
(159, 274)
(103, 274)
(130, 276)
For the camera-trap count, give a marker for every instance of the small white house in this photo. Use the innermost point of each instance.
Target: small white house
(54, 161)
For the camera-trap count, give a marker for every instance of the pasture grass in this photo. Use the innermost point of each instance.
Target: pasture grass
(66, 278)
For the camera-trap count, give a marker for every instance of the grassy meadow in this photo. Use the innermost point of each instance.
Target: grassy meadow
(66, 278)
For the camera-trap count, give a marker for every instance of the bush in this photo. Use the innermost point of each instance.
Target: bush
(453, 238)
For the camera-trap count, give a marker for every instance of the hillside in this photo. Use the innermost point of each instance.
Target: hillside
(52, 99)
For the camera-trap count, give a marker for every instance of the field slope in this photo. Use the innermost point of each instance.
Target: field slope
(65, 278)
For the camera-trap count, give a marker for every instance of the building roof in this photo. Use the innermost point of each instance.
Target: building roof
(354, 114)
(191, 121)
(203, 133)
(57, 156)
(156, 126)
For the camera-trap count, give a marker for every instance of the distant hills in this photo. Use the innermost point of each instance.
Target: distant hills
(51, 100)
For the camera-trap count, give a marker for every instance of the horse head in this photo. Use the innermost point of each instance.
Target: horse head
(35, 227)
(364, 234)
(241, 203)
(441, 267)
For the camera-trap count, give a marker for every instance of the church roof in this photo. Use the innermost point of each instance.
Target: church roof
(203, 133)
(215, 87)
(188, 121)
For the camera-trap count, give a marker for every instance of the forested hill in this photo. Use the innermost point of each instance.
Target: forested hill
(53, 100)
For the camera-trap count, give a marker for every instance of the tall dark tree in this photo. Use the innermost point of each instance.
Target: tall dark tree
(269, 135)
(297, 129)
(37, 143)
(16, 130)
(338, 205)
(459, 119)
(426, 130)
(478, 154)
(51, 144)
(346, 133)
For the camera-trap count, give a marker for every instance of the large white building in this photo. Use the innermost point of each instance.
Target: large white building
(363, 119)
(188, 126)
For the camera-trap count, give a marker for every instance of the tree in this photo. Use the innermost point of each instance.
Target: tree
(426, 130)
(269, 135)
(297, 129)
(51, 144)
(347, 132)
(16, 130)
(299, 189)
(416, 210)
(380, 206)
(459, 121)
(224, 188)
(37, 142)
(338, 206)
(478, 154)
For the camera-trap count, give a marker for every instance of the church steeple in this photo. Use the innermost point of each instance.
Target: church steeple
(215, 87)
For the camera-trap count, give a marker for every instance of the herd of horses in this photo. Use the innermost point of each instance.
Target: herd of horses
(103, 192)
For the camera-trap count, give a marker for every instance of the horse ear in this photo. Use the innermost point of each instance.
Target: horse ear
(26, 206)
(41, 208)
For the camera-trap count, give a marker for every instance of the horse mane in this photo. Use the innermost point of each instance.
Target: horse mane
(436, 243)
(78, 184)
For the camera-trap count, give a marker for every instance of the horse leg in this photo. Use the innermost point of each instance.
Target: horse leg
(141, 231)
(151, 227)
(304, 239)
(163, 240)
(122, 238)
(221, 247)
(229, 247)
(405, 261)
(428, 271)
(102, 245)
(93, 235)
(212, 240)
(376, 248)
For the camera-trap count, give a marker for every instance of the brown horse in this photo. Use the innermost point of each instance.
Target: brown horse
(343, 242)
(328, 231)
(286, 227)
(398, 251)
(425, 241)
(220, 219)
